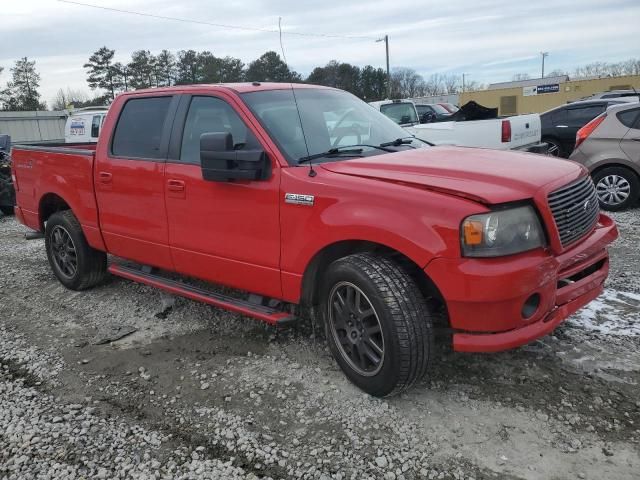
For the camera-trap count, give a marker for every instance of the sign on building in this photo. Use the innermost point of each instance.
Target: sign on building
(539, 89)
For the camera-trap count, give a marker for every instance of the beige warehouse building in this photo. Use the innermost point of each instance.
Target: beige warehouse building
(541, 94)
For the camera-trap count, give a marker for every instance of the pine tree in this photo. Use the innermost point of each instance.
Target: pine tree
(101, 71)
(22, 91)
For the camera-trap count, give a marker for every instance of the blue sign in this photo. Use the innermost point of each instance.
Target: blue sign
(551, 88)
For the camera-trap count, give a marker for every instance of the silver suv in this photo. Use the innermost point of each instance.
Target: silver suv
(609, 146)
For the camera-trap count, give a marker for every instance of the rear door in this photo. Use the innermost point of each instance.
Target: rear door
(129, 179)
(630, 143)
(224, 232)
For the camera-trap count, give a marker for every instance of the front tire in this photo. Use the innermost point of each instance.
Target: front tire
(378, 324)
(7, 210)
(77, 265)
(617, 187)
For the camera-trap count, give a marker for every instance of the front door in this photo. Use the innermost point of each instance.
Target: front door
(224, 232)
(129, 179)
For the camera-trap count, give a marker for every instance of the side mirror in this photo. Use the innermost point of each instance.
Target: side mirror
(427, 117)
(221, 163)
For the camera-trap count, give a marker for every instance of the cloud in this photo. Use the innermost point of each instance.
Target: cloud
(490, 40)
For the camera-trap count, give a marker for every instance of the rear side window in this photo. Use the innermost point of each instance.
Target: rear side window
(139, 130)
(400, 113)
(628, 118)
(95, 126)
(582, 116)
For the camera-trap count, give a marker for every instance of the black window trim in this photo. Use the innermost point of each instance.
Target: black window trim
(166, 129)
(177, 131)
(636, 122)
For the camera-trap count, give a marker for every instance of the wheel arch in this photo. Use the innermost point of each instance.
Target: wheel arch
(49, 204)
(52, 202)
(313, 275)
(616, 164)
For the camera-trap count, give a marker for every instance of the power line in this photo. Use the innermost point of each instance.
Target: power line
(219, 25)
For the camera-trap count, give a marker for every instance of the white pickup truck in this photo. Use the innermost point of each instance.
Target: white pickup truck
(520, 132)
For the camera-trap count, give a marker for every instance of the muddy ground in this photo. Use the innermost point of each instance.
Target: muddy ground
(211, 394)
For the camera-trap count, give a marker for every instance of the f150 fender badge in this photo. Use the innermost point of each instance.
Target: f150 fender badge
(299, 199)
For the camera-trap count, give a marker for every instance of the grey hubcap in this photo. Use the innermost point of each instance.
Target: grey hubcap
(63, 252)
(356, 328)
(613, 189)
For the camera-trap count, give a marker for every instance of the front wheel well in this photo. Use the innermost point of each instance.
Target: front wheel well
(50, 204)
(314, 273)
(614, 165)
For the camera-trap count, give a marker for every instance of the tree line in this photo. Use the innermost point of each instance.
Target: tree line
(107, 77)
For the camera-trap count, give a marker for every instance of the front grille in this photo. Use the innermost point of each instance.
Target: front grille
(575, 210)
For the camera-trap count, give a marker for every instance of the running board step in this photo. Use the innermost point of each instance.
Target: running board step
(269, 315)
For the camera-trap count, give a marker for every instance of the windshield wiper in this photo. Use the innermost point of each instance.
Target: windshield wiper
(398, 141)
(333, 152)
(337, 151)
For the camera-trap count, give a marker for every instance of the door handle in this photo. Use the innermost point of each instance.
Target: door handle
(562, 126)
(105, 177)
(175, 186)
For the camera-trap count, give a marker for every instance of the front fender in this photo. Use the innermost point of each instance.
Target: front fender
(418, 223)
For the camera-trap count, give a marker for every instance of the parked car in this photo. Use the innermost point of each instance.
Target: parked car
(450, 107)
(609, 146)
(402, 112)
(7, 191)
(613, 94)
(83, 125)
(247, 186)
(520, 132)
(560, 124)
(432, 112)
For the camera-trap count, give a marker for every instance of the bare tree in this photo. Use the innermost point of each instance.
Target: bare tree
(406, 83)
(451, 83)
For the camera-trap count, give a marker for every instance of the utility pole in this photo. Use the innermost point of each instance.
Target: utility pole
(544, 55)
(385, 39)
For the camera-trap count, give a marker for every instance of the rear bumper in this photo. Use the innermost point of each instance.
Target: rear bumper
(539, 147)
(485, 297)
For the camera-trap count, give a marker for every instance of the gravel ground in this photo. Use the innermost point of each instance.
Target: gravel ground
(196, 392)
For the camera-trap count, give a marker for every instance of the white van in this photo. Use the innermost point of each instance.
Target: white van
(83, 125)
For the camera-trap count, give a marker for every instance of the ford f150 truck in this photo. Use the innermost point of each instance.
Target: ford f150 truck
(305, 196)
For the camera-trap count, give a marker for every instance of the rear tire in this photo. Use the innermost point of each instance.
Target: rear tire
(554, 148)
(373, 310)
(77, 265)
(618, 188)
(7, 210)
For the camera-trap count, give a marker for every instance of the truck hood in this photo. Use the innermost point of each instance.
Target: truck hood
(486, 176)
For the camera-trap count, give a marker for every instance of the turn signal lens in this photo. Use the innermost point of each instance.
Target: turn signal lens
(472, 232)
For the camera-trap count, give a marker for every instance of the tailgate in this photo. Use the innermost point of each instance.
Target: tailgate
(525, 129)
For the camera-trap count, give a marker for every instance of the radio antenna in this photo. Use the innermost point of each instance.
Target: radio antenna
(312, 172)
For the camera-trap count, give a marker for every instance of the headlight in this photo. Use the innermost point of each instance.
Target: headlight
(502, 232)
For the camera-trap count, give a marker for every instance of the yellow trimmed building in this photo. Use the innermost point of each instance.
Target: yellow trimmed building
(541, 94)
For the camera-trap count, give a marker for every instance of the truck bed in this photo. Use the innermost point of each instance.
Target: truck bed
(525, 129)
(44, 174)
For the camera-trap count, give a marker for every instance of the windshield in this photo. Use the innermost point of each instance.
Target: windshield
(331, 119)
(401, 112)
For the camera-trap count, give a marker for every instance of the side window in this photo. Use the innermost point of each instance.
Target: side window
(139, 130)
(581, 116)
(629, 117)
(95, 126)
(209, 115)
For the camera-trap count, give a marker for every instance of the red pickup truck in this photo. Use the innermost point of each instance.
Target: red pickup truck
(305, 196)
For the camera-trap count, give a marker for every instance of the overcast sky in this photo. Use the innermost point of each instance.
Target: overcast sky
(489, 40)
